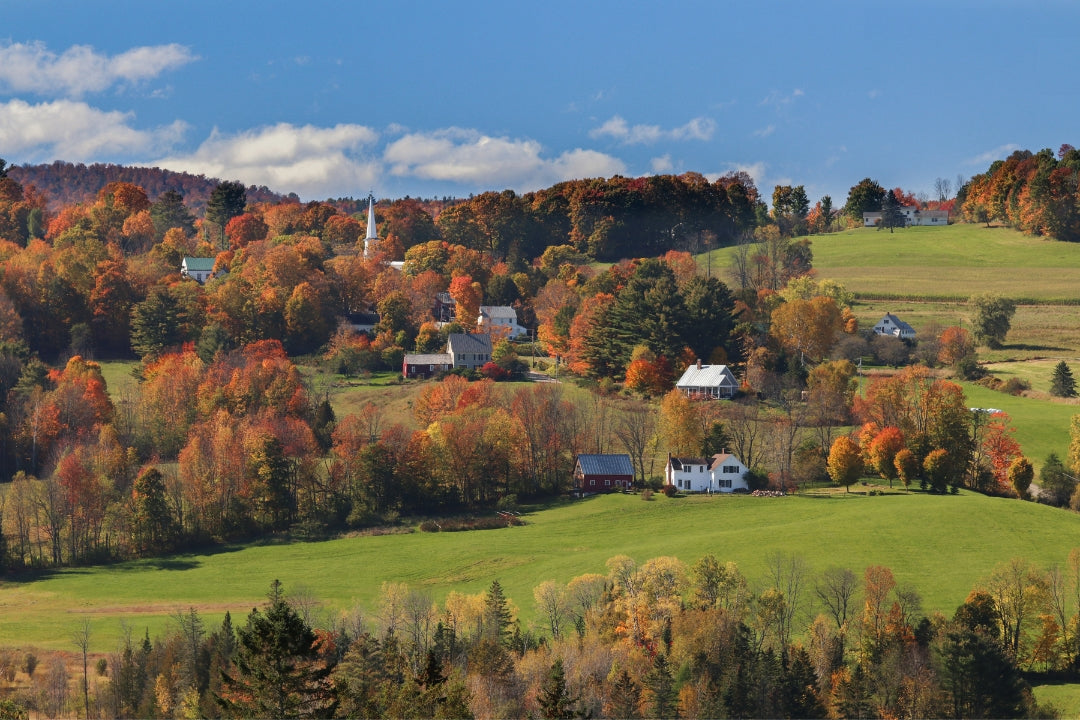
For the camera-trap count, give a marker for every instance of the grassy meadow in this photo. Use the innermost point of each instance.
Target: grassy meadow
(941, 545)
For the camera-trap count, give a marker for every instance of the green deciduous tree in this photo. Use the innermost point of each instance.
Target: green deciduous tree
(993, 316)
(866, 196)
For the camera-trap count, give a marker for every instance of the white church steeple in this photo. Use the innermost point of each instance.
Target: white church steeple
(372, 235)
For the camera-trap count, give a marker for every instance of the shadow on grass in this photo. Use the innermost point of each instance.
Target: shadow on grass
(1033, 348)
(189, 559)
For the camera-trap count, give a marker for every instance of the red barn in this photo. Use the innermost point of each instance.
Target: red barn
(603, 473)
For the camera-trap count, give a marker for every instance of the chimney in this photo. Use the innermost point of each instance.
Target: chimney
(699, 364)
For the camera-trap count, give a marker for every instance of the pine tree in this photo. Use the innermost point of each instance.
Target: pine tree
(1063, 384)
(279, 668)
(226, 202)
(891, 216)
(625, 698)
(661, 685)
(497, 616)
(554, 699)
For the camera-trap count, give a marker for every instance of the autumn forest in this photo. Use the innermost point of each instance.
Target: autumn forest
(224, 437)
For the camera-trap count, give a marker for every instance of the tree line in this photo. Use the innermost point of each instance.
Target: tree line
(658, 639)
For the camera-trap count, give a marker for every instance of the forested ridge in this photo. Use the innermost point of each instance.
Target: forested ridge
(222, 439)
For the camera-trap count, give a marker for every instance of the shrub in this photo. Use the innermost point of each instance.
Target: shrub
(646, 494)
(1015, 386)
(671, 490)
(102, 667)
(30, 664)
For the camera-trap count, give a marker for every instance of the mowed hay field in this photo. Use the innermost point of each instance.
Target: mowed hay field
(926, 274)
(941, 545)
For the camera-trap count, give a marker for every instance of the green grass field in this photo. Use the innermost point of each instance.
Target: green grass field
(1063, 696)
(942, 546)
(952, 262)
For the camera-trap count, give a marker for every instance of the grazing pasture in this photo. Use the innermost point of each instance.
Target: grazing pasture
(941, 545)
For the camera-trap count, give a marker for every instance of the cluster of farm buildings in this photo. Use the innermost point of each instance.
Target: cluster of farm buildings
(721, 473)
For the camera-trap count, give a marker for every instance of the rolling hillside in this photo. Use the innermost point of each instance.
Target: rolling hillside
(942, 546)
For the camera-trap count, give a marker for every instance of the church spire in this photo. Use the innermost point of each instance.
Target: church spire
(372, 235)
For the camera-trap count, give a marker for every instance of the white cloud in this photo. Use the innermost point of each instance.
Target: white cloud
(662, 164)
(74, 131)
(779, 99)
(700, 128)
(310, 161)
(998, 153)
(468, 156)
(79, 69)
(765, 131)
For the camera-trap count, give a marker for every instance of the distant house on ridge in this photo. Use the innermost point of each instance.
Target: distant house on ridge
(912, 216)
(197, 268)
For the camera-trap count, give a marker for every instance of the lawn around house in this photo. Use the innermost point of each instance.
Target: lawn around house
(941, 545)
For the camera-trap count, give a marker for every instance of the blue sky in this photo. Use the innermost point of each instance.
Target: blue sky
(452, 98)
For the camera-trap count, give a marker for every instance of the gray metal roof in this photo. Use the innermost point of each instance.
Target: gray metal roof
(618, 464)
(428, 359)
(897, 322)
(468, 343)
(708, 376)
(499, 311)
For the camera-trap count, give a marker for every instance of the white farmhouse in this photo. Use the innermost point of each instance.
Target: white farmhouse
(197, 268)
(499, 320)
(892, 325)
(722, 472)
(708, 381)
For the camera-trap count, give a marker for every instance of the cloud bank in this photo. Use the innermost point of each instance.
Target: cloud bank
(33, 68)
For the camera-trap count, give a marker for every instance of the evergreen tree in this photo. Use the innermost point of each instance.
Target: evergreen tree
(661, 686)
(891, 216)
(154, 323)
(226, 202)
(625, 698)
(497, 616)
(170, 212)
(279, 668)
(709, 306)
(1063, 384)
(554, 699)
(1056, 485)
(648, 311)
(151, 520)
(269, 469)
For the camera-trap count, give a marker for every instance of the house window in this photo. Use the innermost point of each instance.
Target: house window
(607, 482)
(592, 483)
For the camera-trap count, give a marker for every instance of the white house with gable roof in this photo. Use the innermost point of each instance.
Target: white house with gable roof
(892, 325)
(708, 381)
(723, 472)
